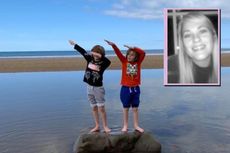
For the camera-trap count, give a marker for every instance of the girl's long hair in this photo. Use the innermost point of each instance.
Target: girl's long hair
(186, 73)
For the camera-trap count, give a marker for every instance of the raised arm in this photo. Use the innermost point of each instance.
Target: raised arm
(106, 62)
(117, 51)
(139, 51)
(82, 51)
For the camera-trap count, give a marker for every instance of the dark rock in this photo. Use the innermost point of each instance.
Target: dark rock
(132, 142)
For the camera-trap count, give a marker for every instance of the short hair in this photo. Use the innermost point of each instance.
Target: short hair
(136, 54)
(98, 49)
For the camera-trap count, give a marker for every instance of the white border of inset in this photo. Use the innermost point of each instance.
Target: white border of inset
(166, 48)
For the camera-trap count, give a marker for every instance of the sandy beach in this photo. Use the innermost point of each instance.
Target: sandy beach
(77, 63)
(66, 63)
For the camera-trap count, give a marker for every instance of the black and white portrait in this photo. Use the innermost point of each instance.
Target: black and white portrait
(192, 50)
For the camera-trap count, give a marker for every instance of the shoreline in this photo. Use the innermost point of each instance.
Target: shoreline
(41, 64)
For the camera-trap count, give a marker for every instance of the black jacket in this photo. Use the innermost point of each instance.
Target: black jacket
(94, 69)
(201, 75)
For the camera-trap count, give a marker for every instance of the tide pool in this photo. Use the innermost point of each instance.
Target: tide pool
(43, 112)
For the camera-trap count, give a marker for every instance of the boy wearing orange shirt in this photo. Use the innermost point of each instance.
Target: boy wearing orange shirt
(130, 81)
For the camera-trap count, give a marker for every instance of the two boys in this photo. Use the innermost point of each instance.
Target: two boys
(130, 91)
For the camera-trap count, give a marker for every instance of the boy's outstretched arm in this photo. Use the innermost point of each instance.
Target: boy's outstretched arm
(107, 62)
(80, 50)
(129, 47)
(72, 42)
(109, 42)
(117, 51)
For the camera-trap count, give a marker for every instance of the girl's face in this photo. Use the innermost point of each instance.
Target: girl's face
(198, 39)
(131, 56)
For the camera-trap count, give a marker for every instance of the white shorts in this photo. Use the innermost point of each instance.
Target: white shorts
(96, 95)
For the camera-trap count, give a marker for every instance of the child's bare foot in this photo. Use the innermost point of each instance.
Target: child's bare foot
(107, 130)
(124, 129)
(139, 129)
(95, 129)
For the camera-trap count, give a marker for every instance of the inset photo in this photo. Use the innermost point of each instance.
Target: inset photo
(192, 47)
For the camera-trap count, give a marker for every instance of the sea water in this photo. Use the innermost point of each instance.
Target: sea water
(73, 53)
(44, 112)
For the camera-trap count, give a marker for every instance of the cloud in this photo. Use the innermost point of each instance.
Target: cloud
(153, 9)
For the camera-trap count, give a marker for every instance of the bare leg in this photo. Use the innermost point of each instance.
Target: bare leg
(135, 120)
(125, 119)
(104, 119)
(96, 119)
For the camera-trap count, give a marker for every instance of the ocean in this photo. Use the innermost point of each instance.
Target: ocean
(34, 54)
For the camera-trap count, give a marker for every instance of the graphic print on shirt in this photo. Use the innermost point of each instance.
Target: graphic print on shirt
(93, 67)
(87, 75)
(95, 75)
(131, 69)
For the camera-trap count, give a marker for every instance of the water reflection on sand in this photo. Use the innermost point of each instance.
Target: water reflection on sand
(45, 112)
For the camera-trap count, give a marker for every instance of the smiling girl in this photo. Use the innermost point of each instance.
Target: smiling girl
(197, 59)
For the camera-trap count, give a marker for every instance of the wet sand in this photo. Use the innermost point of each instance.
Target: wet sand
(66, 63)
(77, 63)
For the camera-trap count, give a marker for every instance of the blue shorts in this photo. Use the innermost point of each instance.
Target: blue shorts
(130, 96)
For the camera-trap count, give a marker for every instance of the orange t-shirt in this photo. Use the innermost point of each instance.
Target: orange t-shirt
(131, 71)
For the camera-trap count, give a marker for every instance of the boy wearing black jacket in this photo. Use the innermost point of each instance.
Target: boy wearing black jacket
(96, 65)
